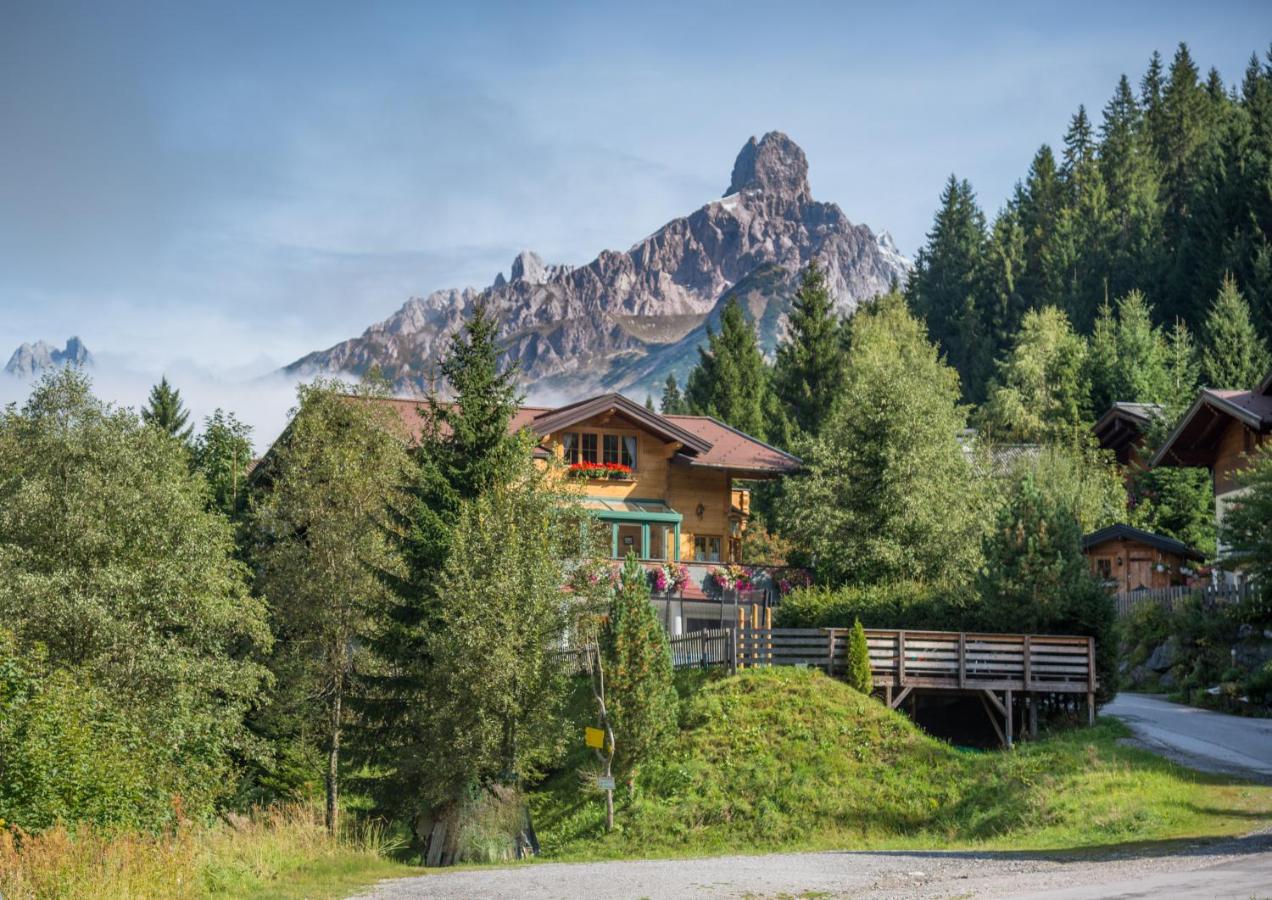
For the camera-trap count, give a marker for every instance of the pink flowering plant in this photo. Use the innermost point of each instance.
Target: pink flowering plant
(731, 577)
(669, 578)
(791, 579)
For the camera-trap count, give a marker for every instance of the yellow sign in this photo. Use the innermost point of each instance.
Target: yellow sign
(594, 737)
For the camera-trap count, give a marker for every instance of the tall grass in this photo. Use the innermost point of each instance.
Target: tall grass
(241, 856)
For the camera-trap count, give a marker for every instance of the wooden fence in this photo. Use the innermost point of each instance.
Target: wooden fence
(1173, 598)
(703, 649)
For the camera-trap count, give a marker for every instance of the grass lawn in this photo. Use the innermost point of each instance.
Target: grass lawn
(787, 759)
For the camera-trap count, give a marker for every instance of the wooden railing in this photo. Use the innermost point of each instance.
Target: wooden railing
(933, 659)
(1173, 598)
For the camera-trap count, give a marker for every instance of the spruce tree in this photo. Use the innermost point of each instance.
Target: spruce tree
(1102, 361)
(1183, 368)
(165, 411)
(465, 450)
(1142, 375)
(1041, 201)
(731, 380)
(641, 698)
(809, 371)
(1128, 167)
(1233, 356)
(945, 286)
(673, 403)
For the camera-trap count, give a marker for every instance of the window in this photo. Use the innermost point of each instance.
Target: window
(629, 450)
(611, 448)
(589, 447)
(706, 548)
(570, 444)
(1104, 569)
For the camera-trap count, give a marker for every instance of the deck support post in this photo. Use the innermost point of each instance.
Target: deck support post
(1090, 708)
(1009, 717)
(887, 695)
(896, 701)
(986, 697)
(1033, 715)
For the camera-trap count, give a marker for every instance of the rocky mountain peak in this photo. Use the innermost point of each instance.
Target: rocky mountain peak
(29, 359)
(774, 164)
(528, 266)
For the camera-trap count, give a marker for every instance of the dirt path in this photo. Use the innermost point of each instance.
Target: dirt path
(1198, 738)
(1237, 868)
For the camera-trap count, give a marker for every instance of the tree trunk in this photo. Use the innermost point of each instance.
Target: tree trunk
(333, 759)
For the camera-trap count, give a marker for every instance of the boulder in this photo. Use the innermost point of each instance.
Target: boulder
(1164, 655)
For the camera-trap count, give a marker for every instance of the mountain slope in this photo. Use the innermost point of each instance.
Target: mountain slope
(624, 320)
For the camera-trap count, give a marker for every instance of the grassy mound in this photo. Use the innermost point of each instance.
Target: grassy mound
(787, 758)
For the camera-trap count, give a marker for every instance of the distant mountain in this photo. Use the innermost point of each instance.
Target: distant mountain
(29, 359)
(626, 319)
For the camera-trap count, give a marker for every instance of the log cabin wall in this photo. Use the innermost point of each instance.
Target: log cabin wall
(1138, 566)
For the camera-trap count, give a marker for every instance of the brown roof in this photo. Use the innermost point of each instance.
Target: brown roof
(707, 442)
(1193, 440)
(733, 449)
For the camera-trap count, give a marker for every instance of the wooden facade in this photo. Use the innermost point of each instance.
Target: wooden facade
(1128, 559)
(667, 508)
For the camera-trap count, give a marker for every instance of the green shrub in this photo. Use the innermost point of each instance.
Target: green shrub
(68, 753)
(859, 660)
(898, 605)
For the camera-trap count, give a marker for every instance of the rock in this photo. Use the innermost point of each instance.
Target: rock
(1164, 655)
(625, 320)
(1166, 681)
(1251, 655)
(1137, 677)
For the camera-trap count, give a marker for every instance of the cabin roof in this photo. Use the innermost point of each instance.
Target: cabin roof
(705, 442)
(1124, 423)
(1127, 533)
(1194, 439)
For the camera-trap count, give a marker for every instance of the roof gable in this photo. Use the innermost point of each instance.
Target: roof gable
(1193, 438)
(559, 419)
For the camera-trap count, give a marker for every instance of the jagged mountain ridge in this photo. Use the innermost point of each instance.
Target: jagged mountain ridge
(30, 359)
(624, 320)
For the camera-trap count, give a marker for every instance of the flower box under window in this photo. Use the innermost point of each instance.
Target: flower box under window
(601, 471)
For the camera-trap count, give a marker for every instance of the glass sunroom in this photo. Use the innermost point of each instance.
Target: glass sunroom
(649, 528)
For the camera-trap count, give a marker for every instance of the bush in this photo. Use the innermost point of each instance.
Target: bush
(68, 753)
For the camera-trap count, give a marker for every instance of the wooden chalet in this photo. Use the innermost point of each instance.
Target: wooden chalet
(667, 486)
(1131, 560)
(1220, 431)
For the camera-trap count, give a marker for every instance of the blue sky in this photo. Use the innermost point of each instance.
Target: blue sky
(226, 186)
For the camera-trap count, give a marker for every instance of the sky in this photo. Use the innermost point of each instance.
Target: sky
(215, 189)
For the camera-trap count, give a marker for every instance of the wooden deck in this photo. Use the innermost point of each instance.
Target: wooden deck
(1021, 667)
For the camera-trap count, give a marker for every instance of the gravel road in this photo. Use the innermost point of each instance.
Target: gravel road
(1198, 738)
(1240, 868)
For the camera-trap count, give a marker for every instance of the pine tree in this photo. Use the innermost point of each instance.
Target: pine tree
(1233, 356)
(948, 274)
(673, 404)
(1183, 368)
(1142, 375)
(858, 675)
(465, 451)
(1129, 169)
(731, 380)
(649, 402)
(1085, 228)
(809, 371)
(165, 411)
(641, 696)
(1102, 372)
(1041, 201)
